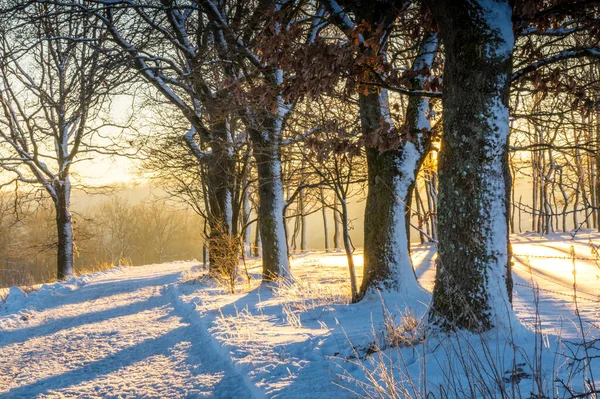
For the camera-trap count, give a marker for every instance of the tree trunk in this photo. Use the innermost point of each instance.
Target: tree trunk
(430, 188)
(336, 226)
(303, 231)
(534, 189)
(246, 225)
(270, 210)
(391, 178)
(511, 207)
(473, 271)
(597, 159)
(219, 174)
(325, 222)
(420, 216)
(565, 197)
(257, 250)
(64, 227)
(349, 250)
(292, 242)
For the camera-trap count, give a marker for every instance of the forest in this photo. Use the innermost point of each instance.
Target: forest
(279, 133)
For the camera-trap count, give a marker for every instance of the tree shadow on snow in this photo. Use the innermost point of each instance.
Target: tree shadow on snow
(92, 293)
(200, 360)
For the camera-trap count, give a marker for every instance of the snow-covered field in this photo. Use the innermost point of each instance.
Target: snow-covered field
(166, 331)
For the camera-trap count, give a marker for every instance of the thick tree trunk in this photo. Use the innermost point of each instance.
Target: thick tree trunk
(270, 211)
(220, 170)
(64, 227)
(391, 178)
(265, 130)
(473, 272)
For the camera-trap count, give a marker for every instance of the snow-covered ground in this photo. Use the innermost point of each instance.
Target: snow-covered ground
(115, 334)
(543, 267)
(167, 331)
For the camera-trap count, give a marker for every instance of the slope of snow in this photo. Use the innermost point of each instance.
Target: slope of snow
(114, 334)
(169, 331)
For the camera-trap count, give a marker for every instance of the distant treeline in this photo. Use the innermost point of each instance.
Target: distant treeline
(115, 232)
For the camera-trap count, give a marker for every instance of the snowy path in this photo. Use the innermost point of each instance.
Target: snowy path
(119, 336)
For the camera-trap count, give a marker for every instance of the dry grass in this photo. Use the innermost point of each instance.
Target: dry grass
(470, 365)
(402, 329)
(99, 267)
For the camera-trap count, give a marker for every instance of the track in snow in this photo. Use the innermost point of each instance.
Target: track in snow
(120, 336)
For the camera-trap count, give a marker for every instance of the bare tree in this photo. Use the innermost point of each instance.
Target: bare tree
(248, 37)
(54, 85)
(334, 155)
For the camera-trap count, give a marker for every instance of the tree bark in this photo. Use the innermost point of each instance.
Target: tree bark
(391, 178)
(220, 170)
(247, 231)
(430, 189)
(473, 272)
(64, 226)
(325, 222)
(349, 250)
(257, 250)
(336, 226)
(303, 230)
(265, 146)
(597, 159)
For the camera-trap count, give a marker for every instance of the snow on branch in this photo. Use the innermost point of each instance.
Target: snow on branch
(561, 31)
(563, 55)
(193, 146)
(336, 12)
(221, 24)
(317, 24)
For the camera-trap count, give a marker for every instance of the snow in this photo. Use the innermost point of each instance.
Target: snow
(15, 299)
(169, 331)
(278, 221)
(113, 334)
(407, 285)
(493, 212)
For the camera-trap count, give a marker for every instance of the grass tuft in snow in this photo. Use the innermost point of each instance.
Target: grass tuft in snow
(300, 296)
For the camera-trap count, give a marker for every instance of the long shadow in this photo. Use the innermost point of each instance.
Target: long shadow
(567, 251)
(425, 265)
(292, 370)
(199, 354)
(90, 371)
(561, 281)
(252, 298)
(93, 292)
(97, 290)
(56, 325)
